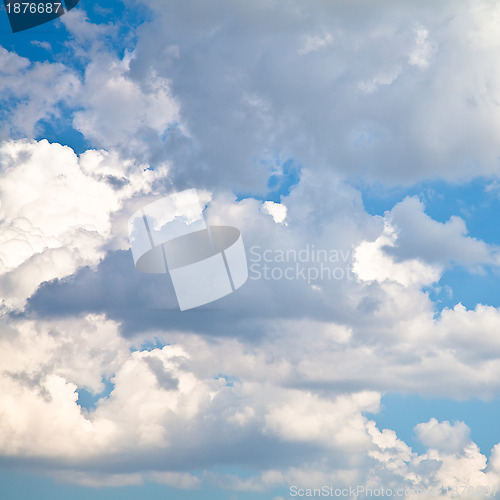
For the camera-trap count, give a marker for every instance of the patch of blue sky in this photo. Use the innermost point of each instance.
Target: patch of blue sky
(283, 180)
(150, 345)
(61, 130)
(478, 203)
(230, 380)
(283, 177)
(6, 104)
(88, 400)
(125, 19)
(51, 41)
(459, 285)
(46, 42)
(17, 485)
(132, 14)
(402, 413)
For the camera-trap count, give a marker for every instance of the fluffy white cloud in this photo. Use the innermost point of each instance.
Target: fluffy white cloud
(119, 112)
(386, 327)
(419, 236)
(32, 91)
(289, 369)
(414, 249)
(374, 94)
(160, 400)
(451, 438)
(339, 424)
(372, 263)
(56, 211)
(42, 366)
(196, 397)
(179, 480)
(276, 210)
(107, 105)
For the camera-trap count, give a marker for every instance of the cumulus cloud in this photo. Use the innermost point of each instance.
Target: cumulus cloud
(284, 374)
(383, 323)
(276, 210)
(272, 249)
(119, 112)
(156, 420)
(42, 366)
(316, 84)
(451, 438)
(56, 211)
(373, 263)
(414, 249)
(225, 116)
(419, 236)
(171, 409)
(160, 400)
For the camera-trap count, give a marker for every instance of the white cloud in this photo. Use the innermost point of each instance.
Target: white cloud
(57, 211)
(390, 70)
(385, 326)
(32, 91)
(42, 366)
(414, 249)
(373, 84)
(423, 50)
(372, 263)
(443, 436)
(160, 400)
(39, 349)
(313, 43)
(289, 369)
(117, 110)
(276, 210)
(291, 88)
(307, 418)
(418, 235)
(170, 406)
(98, 480)
(390, 451)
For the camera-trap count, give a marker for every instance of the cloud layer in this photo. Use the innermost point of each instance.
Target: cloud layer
(284, 376)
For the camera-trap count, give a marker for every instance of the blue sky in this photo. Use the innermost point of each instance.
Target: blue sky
(17, 486)
(344, 126)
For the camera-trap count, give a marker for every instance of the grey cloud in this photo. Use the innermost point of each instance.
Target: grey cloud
(379, 100)
(32, 381)
(147, 301)
(165, 379)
